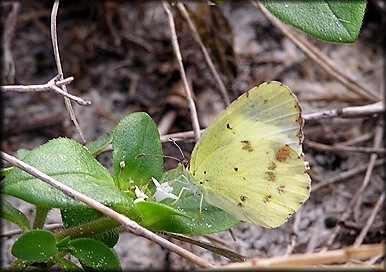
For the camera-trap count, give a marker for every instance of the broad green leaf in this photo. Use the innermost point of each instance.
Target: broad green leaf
(94, 255)
(137, 151)
(12, 214)
(70, 163)
(35, 245)
(328, 20)
(97, 146)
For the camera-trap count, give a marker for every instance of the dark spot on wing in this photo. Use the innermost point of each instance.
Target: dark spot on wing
(247, 145)
(236, 169)
(242, 200)
(270, 176)
(280, 189)
(272, 166)
(267, 198)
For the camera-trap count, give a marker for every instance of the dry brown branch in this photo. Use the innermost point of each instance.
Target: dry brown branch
(356, 111)
(209, 61)
(8, 71)
(343, 148)
(55, 46)
(129, 225)
(176, 49)
(313, 259)
(316, 55)
(53, 84)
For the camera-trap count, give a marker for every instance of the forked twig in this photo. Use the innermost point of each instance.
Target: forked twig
(55, 47)
(176, 48)
(53, 84)
(128, 224)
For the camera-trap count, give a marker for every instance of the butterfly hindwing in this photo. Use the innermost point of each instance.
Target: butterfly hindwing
(248, 161)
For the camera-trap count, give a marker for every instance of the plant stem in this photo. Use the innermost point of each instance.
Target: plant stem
(88, 229)
(40, 217)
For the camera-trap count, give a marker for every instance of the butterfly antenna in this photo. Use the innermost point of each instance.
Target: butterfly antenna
(164, 156)
(179, 148)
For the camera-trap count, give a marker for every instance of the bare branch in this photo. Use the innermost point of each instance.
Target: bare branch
(176, 48)
(356, 111)
(209, 61)
(55, 46)
(53, 84)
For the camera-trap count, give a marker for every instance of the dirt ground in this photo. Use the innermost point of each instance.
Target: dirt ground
(122, 60)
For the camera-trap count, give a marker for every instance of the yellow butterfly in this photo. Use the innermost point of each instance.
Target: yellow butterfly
(248, 161)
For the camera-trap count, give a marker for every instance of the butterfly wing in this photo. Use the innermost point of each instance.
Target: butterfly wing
(248, 162)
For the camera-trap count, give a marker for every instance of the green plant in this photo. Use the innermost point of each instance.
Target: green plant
(137, 157)
(328, 20)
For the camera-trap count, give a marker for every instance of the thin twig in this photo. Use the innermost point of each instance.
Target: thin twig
(345, 175)
(339, 148)
(209, 61)
(370, 220)
(9, 28)
(356, 111)
(356, 200)
(55, 46)
(176, 48)
(373, 157)
(316, 55)
(129, 225)
(53, 84)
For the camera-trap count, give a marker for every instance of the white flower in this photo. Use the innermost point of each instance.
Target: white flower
(163, 191)
(141, 196)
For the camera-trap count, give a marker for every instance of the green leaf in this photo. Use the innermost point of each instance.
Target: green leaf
(328, 20)
(154, 213)
(70, 163)
(94, 255)
(64, 243)
(96, 147)
(5, 171)
(12, 214)
(137, 151)
(35, 245)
